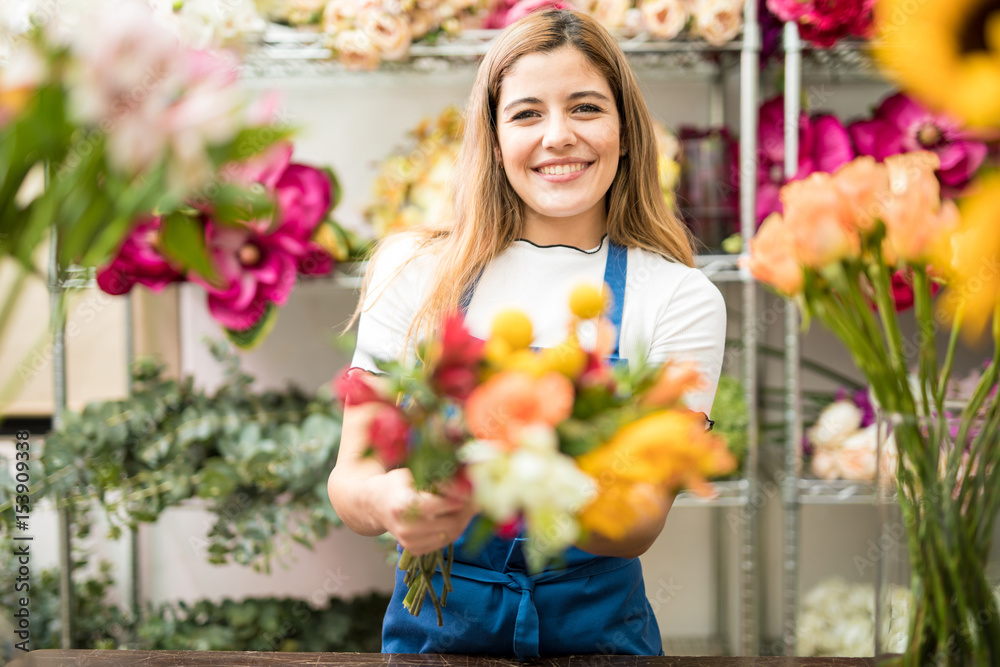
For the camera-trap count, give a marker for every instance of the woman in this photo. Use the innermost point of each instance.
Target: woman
(557, 185)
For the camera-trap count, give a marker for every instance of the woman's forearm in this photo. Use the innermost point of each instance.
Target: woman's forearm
(640, 536)
(354, 482)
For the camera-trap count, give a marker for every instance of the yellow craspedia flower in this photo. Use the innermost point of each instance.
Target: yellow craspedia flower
(513, 327)
(944, 52)
(586, 301)
(525, 361)
(970, 260)
(496, 351)
(566, 358)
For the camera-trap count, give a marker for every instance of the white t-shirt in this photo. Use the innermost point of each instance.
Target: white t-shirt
(671, 311)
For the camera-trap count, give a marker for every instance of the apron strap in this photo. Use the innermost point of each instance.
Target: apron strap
(615, 276)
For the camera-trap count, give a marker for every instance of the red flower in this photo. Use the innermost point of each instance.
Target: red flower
(388, 434)
(352, 388)
(902, 290)
(511, 529)
(456, 369)
(138, 261)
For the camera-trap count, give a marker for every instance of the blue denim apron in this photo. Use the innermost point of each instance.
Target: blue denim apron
(586, 604)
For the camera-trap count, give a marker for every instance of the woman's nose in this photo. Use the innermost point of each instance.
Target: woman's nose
(558, 132)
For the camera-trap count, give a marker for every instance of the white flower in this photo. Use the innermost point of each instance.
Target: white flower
(825, 465)
(839, 420)
(718, 21)
(664, 18)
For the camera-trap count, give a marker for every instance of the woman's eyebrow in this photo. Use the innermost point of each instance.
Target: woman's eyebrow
(588, 93)
(523, 100)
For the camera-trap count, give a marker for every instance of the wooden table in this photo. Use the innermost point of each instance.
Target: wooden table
(91, 658)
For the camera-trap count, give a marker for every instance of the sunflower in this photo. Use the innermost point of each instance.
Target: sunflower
(971, 260)
(945, 52)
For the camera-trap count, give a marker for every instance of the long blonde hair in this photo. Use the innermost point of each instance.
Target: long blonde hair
(487, 213)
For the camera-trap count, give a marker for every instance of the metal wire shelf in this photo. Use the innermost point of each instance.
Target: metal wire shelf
(835, 492)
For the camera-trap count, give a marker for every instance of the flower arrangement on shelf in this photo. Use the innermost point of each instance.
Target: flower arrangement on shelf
(843, 442)
(899, 124)
(85, 157)
(826, 23)
(411, 188)
(247, 270)
(556, 444)
(834, 251)
(363, 34)
(838, 619)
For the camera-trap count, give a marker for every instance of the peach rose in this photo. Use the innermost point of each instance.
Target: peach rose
(857, 455)
(355, 50)
(772, 256)
(915, 217)
(718, 21)
(389, 32)
(865, 184)
(664, 18)
(422, 21)
(338, 15)
(820, 220)
(824, 464)
(611, 13)
(676, 378)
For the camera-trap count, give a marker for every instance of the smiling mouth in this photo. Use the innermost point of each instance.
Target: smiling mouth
(563, 169)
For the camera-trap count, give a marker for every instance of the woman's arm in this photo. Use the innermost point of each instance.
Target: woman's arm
(640, 538)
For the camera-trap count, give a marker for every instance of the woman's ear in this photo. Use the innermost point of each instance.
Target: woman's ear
(498, 156)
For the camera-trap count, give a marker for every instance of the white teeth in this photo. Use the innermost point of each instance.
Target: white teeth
(561, 169)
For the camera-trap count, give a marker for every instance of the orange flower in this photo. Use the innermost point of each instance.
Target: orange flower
(864, 183)
(510, 400)
(772, 256)
(675, 379)
(668, 447)
(821, 221)
(915, 217)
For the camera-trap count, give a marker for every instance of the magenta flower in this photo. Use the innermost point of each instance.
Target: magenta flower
(901, 125)
(255, 271)
(138, 261)
(824, 145)
(825, 22)
(303, 198)
(510, 11)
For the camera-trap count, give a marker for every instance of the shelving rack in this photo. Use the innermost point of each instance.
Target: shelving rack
(283, 52)
(847, 61)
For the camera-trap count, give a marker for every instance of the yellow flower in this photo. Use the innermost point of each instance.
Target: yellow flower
(617, 508)
(971, 260)
(668, 447)
(586, 301)
(945, 52)
(513, 327)
(566, 358)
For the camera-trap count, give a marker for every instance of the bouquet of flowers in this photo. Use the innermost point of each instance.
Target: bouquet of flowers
(835, 250)
(557, 444)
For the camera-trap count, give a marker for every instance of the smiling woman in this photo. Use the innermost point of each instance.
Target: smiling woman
(557, 185)
(558, 132)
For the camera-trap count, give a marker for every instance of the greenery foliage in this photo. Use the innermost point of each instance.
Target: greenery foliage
(253, 624)
(259, 461)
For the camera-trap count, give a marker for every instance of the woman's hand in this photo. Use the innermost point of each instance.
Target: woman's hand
(422, 522)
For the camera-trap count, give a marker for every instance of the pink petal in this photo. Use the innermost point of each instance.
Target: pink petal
(877, 138)
(904, 112)
(285, 280)
(316, 261)
(832, 147)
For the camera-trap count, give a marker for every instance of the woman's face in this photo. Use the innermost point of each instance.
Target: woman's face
(558, 131)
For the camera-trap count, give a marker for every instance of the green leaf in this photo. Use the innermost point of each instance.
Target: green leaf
(248, 339)
(182, 238)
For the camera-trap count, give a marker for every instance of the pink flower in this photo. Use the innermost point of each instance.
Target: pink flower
(511, 529)
(303, 197)
(824, 22)
(352, 387)
(902, 290)
(508, 11)
(138, 261)
(255, 269)
(824, 145)
(388, 434)
(902, 125)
